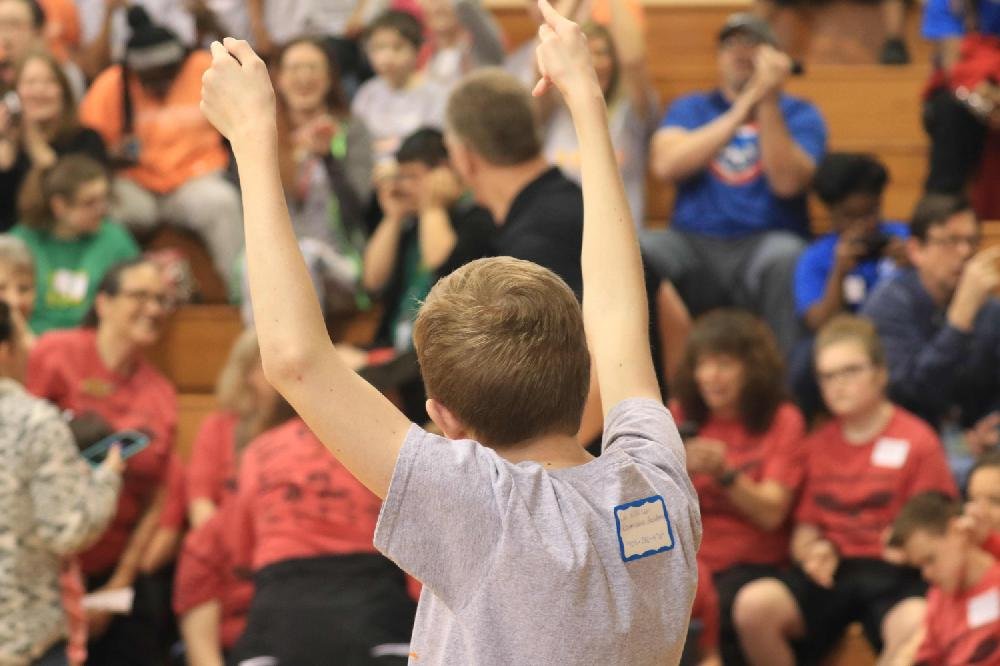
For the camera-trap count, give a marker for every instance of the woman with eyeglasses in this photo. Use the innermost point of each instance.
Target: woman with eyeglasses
(743, 442)
(99, 369)
(64, 222)
(862, 467)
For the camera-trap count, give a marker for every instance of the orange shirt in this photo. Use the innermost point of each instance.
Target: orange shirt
(177, 143)
(62, 27)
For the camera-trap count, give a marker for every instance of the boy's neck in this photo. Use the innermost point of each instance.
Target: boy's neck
(862, 427)
(549, 451)
(506, 182)
(977, 564)
(402, 83)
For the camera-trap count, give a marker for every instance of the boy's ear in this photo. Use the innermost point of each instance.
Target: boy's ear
(446, 421)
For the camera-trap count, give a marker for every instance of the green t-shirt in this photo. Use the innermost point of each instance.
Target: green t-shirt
(67, 272)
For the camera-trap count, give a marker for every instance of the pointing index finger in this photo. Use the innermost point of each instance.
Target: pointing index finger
(552, 17)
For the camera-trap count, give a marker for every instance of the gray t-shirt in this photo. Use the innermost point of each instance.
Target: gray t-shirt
(593, 564)
(392, 114)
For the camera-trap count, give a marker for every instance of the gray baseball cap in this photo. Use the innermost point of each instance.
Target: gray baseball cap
(748, 23)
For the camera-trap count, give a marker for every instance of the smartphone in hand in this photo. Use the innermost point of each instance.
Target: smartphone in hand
(131, 441)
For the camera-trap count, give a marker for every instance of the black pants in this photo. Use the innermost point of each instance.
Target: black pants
(957, 140)
(144, 636)
(349, 610)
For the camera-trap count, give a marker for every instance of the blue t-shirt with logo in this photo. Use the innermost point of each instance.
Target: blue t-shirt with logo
(732, 197)
(816, 263)
(946, 18)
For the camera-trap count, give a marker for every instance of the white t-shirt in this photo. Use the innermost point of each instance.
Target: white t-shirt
(392, 114)
(593, 564)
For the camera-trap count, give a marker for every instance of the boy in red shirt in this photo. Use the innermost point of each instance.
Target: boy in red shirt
(983, 502)
(862, 467)
(963, 606)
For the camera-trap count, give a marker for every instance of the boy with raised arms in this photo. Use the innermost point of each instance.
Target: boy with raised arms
(519, 536)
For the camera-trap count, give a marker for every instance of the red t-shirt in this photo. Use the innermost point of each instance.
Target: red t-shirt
(853, 492)
(66, 369)
(205, 572)
(174, 513)
(992, 545)
(728, 536)
(295, 500)
(706, 610)
(963, 628)
(212, 467)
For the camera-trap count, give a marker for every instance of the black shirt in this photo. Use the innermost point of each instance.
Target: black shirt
(545, 225)
(84, 140)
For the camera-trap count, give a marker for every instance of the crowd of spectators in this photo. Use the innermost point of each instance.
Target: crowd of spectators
(838, 395)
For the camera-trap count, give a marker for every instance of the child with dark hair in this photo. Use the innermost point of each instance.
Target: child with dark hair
(396, 101)
(744, 452)
(962, 624)
(64, 221)
(511, 526)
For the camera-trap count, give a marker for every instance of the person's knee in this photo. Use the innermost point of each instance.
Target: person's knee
(134, 206)
(764, 605)
(210, 200)
(903, 620)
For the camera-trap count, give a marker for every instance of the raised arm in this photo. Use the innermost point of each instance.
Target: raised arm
(359, 425)
(614, 298)
(677, 153)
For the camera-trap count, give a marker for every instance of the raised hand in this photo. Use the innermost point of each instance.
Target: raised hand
(236, 92)
(563, 56)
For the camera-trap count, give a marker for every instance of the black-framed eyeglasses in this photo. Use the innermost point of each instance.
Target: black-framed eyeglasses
(143, 297)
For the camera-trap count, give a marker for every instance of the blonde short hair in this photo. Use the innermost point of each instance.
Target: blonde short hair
(15, 253)
(231, 390)
(851, 328)
(492, 113)
(501, 345)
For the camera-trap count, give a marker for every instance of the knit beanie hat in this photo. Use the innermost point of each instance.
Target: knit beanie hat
(150, 46)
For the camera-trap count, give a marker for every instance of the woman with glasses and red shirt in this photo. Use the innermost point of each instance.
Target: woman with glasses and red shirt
(99, 369)
(862, 467)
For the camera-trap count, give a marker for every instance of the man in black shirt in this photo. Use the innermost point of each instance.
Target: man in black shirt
(494, 143)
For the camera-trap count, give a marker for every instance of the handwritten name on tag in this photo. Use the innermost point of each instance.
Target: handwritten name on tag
(643, 528)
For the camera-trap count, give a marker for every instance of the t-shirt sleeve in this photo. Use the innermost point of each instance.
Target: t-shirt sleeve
(443, 516)
(941, 21)
(44, 378)
(931, 471)
(929, 651)
(124, 246)
(204, 466)
(808, 129)
(810, 279)
(685, 113)
(785, 460)
(101, 107)
(200, 566)
(645, 430)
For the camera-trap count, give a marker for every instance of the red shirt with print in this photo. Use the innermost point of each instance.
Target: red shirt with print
(212, 467)
(66, 369)
(295, 500)
(728, 536)
(963, 628)
(205, 572)
(853, 492)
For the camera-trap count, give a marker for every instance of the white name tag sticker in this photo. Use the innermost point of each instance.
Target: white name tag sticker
(643, 528)
(984, 608)
(854, 289)
(891, 453)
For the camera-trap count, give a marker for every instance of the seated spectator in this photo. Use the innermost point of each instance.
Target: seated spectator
(963, 605)
(837, 272)
(54, 504)
(744, 453)
(17, 284)
(941, 327)
(65, 225)
(983, 494)
(742, 158)
(396, 102)
(246, 401)
(430, 228)
(963, 101)
(47, 130)
(326, 170)
(493, 143)
(322, 592)
(462, 36)
(862, 466)
(99, 368)
(172, 160)
(619, 57)
(26, 26)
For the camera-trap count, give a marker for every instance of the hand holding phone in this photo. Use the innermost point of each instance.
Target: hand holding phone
(121, 445)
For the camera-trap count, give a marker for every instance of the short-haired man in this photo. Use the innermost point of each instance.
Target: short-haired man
(742, 158)
(940, 324)
(494, 143)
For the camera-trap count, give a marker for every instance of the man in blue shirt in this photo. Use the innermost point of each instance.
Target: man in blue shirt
(742, 158)
(940, 325)
(963, 106)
